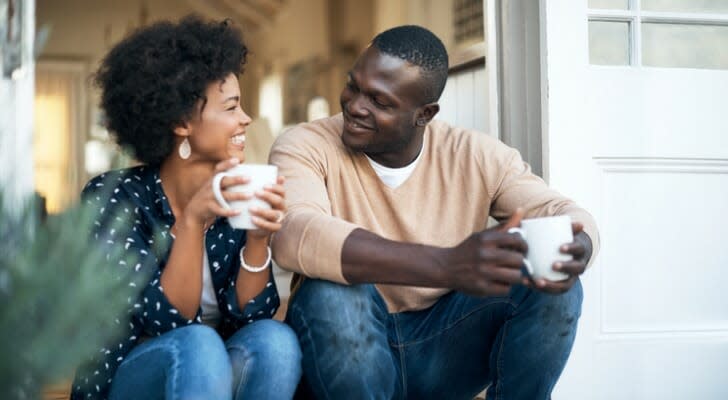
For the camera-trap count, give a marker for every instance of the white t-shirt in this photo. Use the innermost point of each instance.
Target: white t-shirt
(208, 300)
(393, 177)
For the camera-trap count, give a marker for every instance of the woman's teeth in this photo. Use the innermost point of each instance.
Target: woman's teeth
(238, 139)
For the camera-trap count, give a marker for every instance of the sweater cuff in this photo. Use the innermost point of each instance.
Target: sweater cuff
(310, 243)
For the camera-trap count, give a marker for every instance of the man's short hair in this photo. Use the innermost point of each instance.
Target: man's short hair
(419, 47)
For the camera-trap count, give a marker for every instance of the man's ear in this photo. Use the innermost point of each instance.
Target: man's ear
(428, 111)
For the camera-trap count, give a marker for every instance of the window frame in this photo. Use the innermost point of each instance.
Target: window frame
(635, 17)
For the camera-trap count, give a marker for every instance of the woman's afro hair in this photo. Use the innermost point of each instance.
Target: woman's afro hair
(152, 80)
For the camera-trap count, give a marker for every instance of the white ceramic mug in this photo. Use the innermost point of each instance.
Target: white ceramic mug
(545, 236)
(260, 175)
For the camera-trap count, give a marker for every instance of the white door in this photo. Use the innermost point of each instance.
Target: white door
(635, 117)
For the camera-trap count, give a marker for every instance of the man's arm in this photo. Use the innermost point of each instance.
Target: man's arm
(485, 264)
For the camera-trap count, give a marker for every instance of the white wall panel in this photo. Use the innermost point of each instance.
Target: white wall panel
(464, 102)
(664, 266)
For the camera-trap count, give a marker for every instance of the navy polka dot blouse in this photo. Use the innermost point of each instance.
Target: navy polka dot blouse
(135, 195)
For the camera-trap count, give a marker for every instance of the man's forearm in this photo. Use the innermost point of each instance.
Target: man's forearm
(369, 258)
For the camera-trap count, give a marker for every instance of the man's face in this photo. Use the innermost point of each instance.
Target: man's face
(380, 101)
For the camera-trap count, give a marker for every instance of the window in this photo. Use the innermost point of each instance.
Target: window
(659, 33)
(468, 21)
(59, 129)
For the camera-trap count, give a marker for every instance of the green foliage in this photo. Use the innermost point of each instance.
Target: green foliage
(58, 297)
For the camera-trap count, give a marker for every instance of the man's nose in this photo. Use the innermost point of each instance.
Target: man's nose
(357, 106)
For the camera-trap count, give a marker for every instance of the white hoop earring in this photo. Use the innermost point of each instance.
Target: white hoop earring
(184, 149)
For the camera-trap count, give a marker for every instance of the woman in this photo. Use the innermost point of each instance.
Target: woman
(200, 327)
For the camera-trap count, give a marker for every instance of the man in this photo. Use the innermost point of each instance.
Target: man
(406, 293)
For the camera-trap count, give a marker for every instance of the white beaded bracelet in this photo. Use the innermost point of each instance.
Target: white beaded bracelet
(248, 268)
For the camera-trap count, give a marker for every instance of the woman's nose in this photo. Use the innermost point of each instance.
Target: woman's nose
(245, 118)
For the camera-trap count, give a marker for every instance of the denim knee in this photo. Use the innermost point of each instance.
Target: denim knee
(202, 347)
(204, 367)
(330, 300)
(266, 360)
(344, 341)
(557, 313)
(270, 344)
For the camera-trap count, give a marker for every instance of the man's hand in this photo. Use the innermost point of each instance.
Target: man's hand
(487, 263)
(580, 249)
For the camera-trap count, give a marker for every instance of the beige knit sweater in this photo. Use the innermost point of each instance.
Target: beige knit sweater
(462, 177)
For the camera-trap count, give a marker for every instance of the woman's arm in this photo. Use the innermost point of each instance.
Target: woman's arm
(182, 276)
(250, 284)
(257, 251)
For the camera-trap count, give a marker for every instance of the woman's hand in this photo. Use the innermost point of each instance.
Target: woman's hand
(203, 208)
(269, 221)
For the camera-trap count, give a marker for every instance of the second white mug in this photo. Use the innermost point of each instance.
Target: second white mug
(545, 236)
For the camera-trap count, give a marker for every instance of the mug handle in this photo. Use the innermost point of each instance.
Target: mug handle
(526, 263)
(216, 181)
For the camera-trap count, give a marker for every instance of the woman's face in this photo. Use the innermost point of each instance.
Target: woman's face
(218, 132)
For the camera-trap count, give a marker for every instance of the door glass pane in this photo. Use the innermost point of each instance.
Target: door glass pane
(609, 43)
(697, 6)
(687, 46)
(609, 4)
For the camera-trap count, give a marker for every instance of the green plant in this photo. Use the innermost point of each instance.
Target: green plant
(58, 298)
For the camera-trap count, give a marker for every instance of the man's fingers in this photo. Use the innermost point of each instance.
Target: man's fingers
(513, 221)
(515, 242)
(576, 249)
(570, 267)
(501, 258)
(577, 227)
(504, 275)
(555, 287)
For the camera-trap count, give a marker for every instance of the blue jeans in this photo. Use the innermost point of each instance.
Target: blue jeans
(516, 345)
(260, 361)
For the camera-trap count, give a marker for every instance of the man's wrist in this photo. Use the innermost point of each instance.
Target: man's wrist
(440, 257)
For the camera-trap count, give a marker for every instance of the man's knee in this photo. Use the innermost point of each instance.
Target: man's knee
(343, 339)
(331, 302)
(559, 314)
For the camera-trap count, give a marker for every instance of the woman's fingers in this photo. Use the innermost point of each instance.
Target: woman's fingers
(226, 164)
(234, 180)
(276, 201)
(273, 215)
(277, 189)
(221, 211)
(264, 224)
